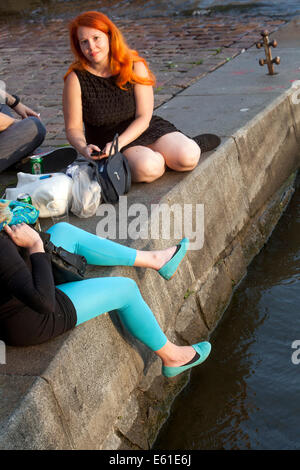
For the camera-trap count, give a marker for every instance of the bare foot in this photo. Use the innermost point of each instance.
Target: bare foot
(161, 257)
(183, 354)
(154, 259)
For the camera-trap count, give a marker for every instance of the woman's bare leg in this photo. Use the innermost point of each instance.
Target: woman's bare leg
(179, 151)
(146, 165)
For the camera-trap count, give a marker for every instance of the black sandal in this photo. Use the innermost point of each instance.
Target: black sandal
(53, 161)
(207, 142)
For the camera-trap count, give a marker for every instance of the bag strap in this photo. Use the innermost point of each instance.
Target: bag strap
(115, 144)
(75, 260)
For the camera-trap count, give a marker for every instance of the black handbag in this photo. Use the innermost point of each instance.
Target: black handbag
(66, 266)
(113, 174)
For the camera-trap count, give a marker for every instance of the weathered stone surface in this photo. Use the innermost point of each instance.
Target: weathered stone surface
(225, 204)
(90, 381)
(214, 294)
(272, 213)
(37, 422)
(294, 99)
(261, 144)
(114, 441)
(12, 391)
(189, 323)
(132, 423)
(251, 241)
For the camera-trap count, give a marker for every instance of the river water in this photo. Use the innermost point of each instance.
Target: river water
(35, 9)
(246, 395)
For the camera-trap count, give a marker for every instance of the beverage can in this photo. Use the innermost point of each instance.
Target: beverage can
(24, 197)
(36, 165)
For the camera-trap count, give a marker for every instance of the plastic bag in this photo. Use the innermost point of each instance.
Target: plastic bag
(86, 191)
(43, 189)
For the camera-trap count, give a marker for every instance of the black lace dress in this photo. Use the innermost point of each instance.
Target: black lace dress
(108, 110)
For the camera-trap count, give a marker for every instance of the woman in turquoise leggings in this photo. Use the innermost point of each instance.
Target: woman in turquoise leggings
(90, 297)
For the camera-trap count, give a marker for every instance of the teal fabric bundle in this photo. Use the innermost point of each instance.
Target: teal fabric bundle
(16, 212)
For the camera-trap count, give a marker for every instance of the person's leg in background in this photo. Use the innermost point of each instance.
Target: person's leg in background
(20, 139)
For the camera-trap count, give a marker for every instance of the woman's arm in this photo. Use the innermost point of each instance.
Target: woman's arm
(20, 108)
(72, 108)
(144, 101)
(36, 289)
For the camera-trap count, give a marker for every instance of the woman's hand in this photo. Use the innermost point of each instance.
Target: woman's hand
(88, 150)
(24, 236)
(24, 111)
(107, 149)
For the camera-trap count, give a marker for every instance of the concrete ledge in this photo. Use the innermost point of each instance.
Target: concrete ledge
(96, 387)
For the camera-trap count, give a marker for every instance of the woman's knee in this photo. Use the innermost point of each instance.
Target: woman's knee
(129, 284)
(187, 156)
(59, 227)
(146, 165)
(40, 129)
(64, 235)
(128, 288)
(60, 231)
(153, 167)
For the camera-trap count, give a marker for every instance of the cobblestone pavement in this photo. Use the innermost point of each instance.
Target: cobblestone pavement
(180, 50)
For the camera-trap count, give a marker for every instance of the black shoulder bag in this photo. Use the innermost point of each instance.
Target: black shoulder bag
(113, 174)
(66, 266)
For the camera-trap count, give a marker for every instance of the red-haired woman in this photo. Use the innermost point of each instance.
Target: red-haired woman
(108, 90)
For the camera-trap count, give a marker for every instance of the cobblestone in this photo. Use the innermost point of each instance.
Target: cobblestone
(35, 56)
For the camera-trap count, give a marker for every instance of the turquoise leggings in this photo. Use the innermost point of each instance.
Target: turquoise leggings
(92, 297)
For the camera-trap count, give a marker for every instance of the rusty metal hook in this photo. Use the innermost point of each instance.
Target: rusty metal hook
(267, 46)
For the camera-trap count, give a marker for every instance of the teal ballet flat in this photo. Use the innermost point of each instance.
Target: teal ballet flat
(169, 269)
(203, 349)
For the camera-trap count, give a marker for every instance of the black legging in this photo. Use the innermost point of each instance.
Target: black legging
(20, 139)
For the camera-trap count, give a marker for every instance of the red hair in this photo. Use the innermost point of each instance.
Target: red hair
(121, 57)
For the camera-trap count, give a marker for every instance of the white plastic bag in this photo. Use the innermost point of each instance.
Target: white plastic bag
(86, 191)
(42, 191)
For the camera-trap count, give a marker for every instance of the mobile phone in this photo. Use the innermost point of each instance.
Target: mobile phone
(96, 154)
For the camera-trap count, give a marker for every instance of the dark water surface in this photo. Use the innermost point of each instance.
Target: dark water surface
(46, 9)
(247, 394)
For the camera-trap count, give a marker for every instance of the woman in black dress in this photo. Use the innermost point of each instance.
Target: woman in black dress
(108, 90)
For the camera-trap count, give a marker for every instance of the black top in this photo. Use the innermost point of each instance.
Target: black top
(32, 309)
(107, 110)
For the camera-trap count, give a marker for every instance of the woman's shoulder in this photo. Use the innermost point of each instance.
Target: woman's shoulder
(140, 69)
(72, 76)
(72, 83)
